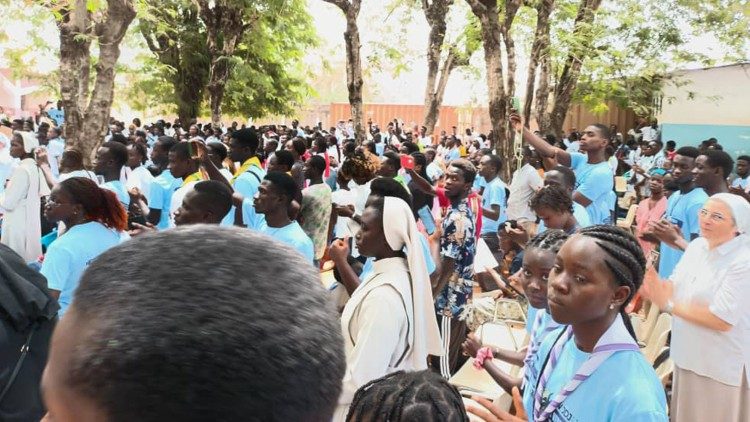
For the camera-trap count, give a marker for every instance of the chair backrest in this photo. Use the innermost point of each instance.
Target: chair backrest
(648, 324)
(629, 220)
(658, 338)
(621, 185)
(664, 370)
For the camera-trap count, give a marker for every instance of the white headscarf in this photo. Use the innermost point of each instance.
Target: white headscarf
(401, 230)
(29, 141)
(740, 210)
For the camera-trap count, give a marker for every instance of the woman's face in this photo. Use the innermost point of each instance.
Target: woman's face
(553, 219)
(581, 286)
(134, 157)
(537, 263)
(716, 221)
(370, 238)
(60, 206)
(656, 183)
(16, 147)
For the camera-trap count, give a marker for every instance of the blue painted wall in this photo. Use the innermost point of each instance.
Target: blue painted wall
(734, 139)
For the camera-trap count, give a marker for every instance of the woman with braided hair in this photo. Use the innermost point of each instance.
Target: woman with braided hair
(592, 369)
(95, 221)
(408, 396)
(538, 260)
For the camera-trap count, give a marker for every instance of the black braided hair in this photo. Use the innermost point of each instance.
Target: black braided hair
(548, 240)
(552, 197)
(625, 260)
(408, 396)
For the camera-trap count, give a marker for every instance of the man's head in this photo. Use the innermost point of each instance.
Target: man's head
(682, 165)
(208, 202)
(243, 144)
(594, 138)
(459, 177)
(429, 154)
(712, 168)
(390, 164)
(654, 147)
(270, 146)
(282, 161)
(110, 157)
(184, 335)
(180, 163)
(743, 165)
(314, 167)
(160, 152)
(561, 176)
(276, 192)
(54, 132)
(297, 147)
(489, 166)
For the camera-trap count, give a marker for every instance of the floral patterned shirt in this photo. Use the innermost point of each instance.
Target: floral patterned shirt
(458, 242)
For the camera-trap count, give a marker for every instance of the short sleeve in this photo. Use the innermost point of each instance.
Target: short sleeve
(597, 183)
(691, 217)
(252, 219)
(728, 303)
(55, 268)
(534, 181)
(576, 160)
(156, 195)
(496, 195)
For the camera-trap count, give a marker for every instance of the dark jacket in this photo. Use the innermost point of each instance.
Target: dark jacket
(25, 306)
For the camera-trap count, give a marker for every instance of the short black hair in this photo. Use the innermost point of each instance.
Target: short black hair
(569, 176)
(182, 150)
(495, 161)
(187, 340)
(393, 159)
(219, 149)
(688, 151)
(118, 151)
(408, 396)
(141, 150)
(410, 147)
(389, 187)
(167, 142)
(318, 163)
(118, 138)
(283, 183)
(298, 144)
(246, 138)
(744, 158)
(552, 197)
(284, 158)
(718, 158)
(467, 169)
(214, 196)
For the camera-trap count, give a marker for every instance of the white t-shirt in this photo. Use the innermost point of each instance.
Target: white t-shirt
(55, 149)
(526, 181)
(140, 178)
(177, 198)
(342, 197)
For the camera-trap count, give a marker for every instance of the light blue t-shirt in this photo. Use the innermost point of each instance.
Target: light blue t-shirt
(595, 182)
(119, 189)
(160, 196)
(479, 183)
(430, 263)
(453, 154)
(624, 388)
(494, 194)
(682, 210)
(579, 212)
(247, 185)
(69, 255)
(291, 234)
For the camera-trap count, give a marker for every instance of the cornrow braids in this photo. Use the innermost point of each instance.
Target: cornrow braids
(553, 197)
(625, 260)
(548, 240)
(408, 396)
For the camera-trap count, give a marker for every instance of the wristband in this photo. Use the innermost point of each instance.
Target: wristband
(482, 355)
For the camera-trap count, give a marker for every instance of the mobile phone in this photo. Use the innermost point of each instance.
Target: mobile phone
(407, 162)
(427, 219)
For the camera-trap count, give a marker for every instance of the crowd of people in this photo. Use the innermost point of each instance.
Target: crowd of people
(182, 272)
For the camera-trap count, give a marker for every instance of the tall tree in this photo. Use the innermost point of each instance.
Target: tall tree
(354, 81)
(492, 29)
(87, 110)
(539, 57)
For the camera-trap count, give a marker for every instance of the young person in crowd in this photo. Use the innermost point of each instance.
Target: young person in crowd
(208, 202)
(297, 148)
(156, 208)
(434, 171)
(452, 282)
(707, 295)
(493, 201)
(594, 178)
(390, 164)
(538, 260)
(711, 171)
(243, 146)
(21, 200)
(741, 185)
(282, 161)
(650, 211)
(218, 153)
(95, 221)
(111, 157)
(554, 207)
(139, 176)
(55, 149)
(408, 396)
(525, 181)
(315, 209)
(103, 356)
(185, 169)
(680, 223)
(388, 323)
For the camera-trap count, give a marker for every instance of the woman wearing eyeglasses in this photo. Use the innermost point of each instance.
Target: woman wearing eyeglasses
(708, 294)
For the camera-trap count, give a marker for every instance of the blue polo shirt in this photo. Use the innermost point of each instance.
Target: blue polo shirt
(595, 182)
(160, 196)
(494, 194)
(291, 234)
(682, 210)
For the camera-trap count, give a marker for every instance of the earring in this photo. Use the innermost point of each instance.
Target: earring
(611, 306)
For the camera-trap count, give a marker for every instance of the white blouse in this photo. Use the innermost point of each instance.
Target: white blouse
(719, 278)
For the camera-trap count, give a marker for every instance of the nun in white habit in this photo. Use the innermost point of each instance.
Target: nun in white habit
(21, 200)
(389, 323)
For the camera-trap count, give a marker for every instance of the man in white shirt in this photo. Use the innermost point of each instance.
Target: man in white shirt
(525, 182)
(741, 185)
(55, 149)
(424, 139)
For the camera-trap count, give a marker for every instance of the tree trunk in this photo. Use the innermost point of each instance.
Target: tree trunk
(542, 94)
(566, 85)
(87, 116)
(539, 47)
(436, 14)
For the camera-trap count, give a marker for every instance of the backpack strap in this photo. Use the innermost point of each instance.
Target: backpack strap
(19, 363)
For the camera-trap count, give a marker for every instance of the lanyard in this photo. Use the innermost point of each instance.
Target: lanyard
(252, 161)
(600, 354)
(195, 177)
(538, 337)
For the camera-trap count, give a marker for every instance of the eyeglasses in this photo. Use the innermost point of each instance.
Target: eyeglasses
(713, 216)
(55, 202)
